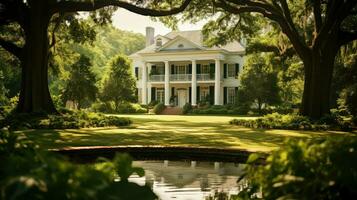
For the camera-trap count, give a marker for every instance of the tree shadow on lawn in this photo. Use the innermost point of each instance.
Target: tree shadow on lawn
(172, 133)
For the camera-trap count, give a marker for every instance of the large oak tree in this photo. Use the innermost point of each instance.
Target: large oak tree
(316, 29)
(34, 18)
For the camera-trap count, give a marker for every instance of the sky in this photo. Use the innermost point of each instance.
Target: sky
(126, 20)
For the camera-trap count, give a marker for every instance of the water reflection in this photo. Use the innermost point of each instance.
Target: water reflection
(191, 180)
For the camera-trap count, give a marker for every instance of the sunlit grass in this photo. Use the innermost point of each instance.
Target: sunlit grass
(173, 130)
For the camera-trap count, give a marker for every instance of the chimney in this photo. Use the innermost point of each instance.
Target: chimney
(150, 31)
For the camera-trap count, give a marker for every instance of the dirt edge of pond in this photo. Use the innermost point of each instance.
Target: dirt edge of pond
(88, 154)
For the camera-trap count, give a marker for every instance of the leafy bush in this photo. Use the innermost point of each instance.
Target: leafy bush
(67, 119)
(325, 169)
(296, 122)
(153, 103)
(159, 108)
(131, 108)
(29, 173)
(219, 110)
(186, 108)
(124, 108)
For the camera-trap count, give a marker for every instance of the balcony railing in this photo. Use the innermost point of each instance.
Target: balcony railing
(205, 77)
(181, 77)
(157, 78)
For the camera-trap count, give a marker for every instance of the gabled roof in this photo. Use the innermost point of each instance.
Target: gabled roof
(195, 38)
(178, 38)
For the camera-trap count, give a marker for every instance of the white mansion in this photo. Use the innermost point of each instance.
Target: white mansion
(178, 68)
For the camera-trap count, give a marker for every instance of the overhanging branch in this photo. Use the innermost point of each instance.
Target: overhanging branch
(11, 47)
(71, 6)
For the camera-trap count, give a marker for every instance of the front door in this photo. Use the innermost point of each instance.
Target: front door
(182, 97)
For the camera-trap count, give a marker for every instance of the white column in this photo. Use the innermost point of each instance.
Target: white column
(149, 92)
(194, 83)
(217, 83)
(167, 84)
(144, 84)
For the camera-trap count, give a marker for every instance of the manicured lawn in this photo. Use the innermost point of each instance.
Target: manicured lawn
(203, 131)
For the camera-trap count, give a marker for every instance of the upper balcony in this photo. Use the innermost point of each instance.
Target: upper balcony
(181, 77)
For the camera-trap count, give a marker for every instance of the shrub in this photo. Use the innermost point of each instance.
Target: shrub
(186, 108)
(296, 122)
(153, 103)
(324, 169)
(29, 173)
(67, 119)
(130, 108)
(159, 108)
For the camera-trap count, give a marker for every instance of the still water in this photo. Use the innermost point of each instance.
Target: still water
(190, 180)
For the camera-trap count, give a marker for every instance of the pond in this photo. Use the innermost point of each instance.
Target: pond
(191, 180)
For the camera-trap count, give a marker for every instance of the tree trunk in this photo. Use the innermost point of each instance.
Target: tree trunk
(34, 94)
(318, 76)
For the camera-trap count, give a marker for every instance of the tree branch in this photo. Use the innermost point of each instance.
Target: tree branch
(268, 11)
(317, 15)
(71, 6)
(11, 47)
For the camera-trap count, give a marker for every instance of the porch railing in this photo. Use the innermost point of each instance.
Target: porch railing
(205, 77)
(157, 78)
(181, 77)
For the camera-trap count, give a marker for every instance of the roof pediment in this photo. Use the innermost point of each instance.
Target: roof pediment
(179, 43)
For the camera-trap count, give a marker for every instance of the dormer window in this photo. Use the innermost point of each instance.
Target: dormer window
(180, 46)
(159, 42)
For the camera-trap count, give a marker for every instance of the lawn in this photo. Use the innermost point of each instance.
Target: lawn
(171, 130)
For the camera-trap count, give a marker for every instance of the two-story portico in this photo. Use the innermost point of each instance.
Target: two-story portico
(177, 69)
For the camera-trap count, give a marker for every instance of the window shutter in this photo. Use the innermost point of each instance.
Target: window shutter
(235, 95)
(189, 94)
(225, 70)
(237, 70)
(153, 94)
(225, 95)
(212, 70)
(172, 91)
(172, 69)
(212, 67)
(198, 69)
(198, 94)
(211, 95)
(137, 73)
(189, 69)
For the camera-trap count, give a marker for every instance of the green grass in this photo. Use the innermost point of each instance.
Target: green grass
(169, 130)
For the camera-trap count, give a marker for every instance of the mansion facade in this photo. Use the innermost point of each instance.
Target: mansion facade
(178, 68)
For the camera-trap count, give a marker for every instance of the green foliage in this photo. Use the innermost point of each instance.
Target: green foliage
(186, 108)
(158, 108)
(28, 173)
(325, 169)
(297, 122)
(221, 110)
(124, 108)
(80, 87)
(258, 83)
(67, 119)
(119, 85)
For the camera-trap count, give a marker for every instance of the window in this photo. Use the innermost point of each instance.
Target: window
(204, 92)
(160, 95)
(180, 69)
(180, 46)
(231, 95)
(159, 42)
(205, 69)
(231, 69)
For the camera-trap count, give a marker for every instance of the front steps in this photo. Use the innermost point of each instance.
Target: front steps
(172, 111)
